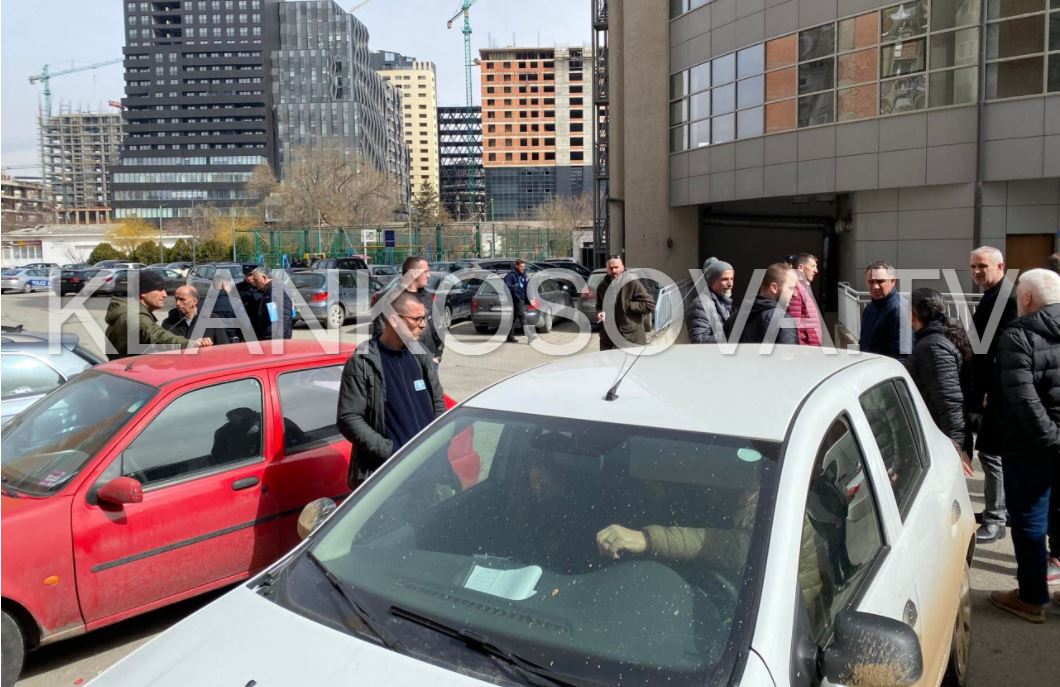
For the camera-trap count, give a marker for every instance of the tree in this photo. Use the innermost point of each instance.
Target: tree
(104, 251)
(328, 186)
(146, 252)
(426, 208)
(74, 254)
(212, 250)
(179, 252)
(566, 212)
(131, 232)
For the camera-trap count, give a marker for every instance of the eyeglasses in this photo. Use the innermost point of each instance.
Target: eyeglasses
(421, 320)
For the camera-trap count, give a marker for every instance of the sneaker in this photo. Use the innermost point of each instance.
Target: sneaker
(1011, 602)
(1052, 576)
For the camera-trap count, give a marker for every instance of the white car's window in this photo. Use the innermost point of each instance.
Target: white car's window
(23, 375)
(305, 396)
(200, 431)
(841, 529)
(892, 417)
(608, 552)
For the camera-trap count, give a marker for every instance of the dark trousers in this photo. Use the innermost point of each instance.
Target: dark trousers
(518, 318)
(1028, 485)
(993, 490)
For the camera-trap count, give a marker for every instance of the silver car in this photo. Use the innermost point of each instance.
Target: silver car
(330, 307)
(24, 280)
(28, 371)
(487, 306)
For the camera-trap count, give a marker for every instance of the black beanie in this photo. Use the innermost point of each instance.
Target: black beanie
(151, 281)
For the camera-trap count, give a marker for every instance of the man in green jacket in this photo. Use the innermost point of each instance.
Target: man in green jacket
(152, 296)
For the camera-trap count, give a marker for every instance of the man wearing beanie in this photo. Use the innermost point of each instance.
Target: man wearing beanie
(123, 309)
(710, 310)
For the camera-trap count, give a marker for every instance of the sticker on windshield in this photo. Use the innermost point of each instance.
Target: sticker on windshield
(748, 455)
(52, 478)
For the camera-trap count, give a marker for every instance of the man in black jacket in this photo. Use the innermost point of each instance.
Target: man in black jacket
(415, 274)
(772, 301)
(1028, 357)
(182, 319)
(275, 319)
(882, 319)
(988, 272)
(387, 394)
(709, 310)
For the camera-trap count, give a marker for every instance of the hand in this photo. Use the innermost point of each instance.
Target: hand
(600, 316)
(437, 360)
(614, 540)
(204, 342)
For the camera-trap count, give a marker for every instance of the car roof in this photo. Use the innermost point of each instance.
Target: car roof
(688, 387)
(161, 369)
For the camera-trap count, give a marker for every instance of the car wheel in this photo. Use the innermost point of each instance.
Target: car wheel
(13, 647)
(447, 317)
(26, 288)
(546, 323)
(957, 668)
(336, 316)
(482, 328)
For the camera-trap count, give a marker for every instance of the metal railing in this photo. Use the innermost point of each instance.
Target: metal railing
(852, 304)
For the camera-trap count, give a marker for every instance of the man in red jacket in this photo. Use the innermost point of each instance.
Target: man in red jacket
(802, 307)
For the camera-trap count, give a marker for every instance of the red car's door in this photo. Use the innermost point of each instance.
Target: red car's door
(315, 458)
(206, 514)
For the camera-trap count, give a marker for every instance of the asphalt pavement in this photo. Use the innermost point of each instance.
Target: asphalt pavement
(1004, 650)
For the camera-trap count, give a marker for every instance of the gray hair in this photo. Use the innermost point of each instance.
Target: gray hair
(994, 253)
(192, 291)
(1043, 284)
(263, 271)
(881, 265)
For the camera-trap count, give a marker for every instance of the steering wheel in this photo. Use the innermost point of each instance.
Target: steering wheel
(718, 588)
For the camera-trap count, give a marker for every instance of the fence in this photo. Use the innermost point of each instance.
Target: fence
(852, 304)
(390, 245)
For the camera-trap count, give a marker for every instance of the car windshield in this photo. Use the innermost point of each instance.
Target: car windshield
(307, 280)
(595, 279)
(11, 273)
(46, 445)
(612, 554)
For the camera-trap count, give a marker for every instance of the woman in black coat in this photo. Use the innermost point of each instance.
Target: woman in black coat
(940, 364)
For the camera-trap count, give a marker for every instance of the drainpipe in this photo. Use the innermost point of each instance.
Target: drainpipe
(977, 217)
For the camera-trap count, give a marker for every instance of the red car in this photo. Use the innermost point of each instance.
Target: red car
(152, 479)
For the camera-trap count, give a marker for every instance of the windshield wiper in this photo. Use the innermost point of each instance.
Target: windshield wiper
(367, 620)
(8, 488)
(523, 667)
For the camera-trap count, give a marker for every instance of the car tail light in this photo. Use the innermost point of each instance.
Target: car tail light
(107, 279)
(587, 294)
(535, 304)
(75, 280)
(321, 297)
(375, 297)
(474, 304)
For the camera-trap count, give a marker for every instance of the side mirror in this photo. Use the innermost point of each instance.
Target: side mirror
(120, 491)
(869, 650)
(314, 513)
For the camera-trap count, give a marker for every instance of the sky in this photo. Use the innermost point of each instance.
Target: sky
(65, 33)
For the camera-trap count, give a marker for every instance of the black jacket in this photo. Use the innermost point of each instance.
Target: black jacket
(263, 323)
(705, 323)
(431, 339)
(754, 331)
(936, 366)
(176, 324)
(362, 406)
(985, 382)
(1028, 359)
(881, 326)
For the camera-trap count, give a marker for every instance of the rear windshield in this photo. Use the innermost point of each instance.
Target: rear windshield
(595, 278)
(307, 280)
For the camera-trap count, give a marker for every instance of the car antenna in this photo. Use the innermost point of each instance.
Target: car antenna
(612, 393)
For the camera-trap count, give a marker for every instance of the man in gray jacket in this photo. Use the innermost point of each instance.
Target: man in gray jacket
(387, 393)
(709, 310)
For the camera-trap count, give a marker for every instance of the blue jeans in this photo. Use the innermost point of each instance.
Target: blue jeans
(1028, 485)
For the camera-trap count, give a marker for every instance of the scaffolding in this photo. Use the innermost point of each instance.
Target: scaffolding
(601, 180)
(77, 151)
(462, 181)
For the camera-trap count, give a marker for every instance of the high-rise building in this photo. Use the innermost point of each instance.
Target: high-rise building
(419, 103)
(537, 136)
(327, 93)
(461, 179)
(25, 204)
(198, 104)
(78, 150)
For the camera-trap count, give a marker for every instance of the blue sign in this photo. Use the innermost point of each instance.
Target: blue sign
(388, 238)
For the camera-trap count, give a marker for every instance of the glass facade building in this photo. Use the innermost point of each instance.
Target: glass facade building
(461, 180)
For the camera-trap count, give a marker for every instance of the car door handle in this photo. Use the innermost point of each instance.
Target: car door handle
(955, 513)
(910, 614)
(244, 483)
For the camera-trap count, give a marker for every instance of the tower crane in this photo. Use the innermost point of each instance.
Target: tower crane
(469, 142)
(46, 75)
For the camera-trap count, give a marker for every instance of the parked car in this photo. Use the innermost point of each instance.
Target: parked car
(587, 296)
(107, 264)
(447, 266)
(646, 536)
(156, 266)
(73, 281)
(344, 263)
(104, 281)
(30, 369)
(382, 275)
(171, 278)
(40, 265)
(458, 300)
(152, 479)
(24, 280)
(487, 306)
(201, 276)
(181, 267)
(74, 266)
(566, 264)
(330, 306)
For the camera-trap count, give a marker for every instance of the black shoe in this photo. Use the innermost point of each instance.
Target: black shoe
(512, 339)
(979, 518)
(988, 533)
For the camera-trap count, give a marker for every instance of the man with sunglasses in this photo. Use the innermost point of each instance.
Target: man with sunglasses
(388, 393)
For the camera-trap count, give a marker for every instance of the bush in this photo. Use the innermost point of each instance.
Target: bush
(146, 252)
(180, 252)
(212, 250)
(104, 251)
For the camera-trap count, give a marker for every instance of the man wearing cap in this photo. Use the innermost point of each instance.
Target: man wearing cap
(709, 310)
(152, 296)
(274, 320)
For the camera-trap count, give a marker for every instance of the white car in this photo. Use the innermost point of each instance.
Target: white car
(791, 519)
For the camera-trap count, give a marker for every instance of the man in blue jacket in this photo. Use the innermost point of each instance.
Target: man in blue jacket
(516, 281)
(881, 322)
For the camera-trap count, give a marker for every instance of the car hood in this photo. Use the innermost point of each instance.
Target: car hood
(244, 639)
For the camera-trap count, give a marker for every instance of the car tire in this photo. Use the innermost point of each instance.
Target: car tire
(956, 674)
(482, 328)
(26, 288)
(336, 316)
(546, 323)
(447, 317)
(13, 648)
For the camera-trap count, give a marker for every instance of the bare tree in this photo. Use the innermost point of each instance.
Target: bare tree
(328, 186)
(566, 212)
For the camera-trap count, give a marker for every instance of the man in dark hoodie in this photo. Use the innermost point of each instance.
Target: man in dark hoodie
(881, 321)
(1028, 356)
(708, 312)
(772, 301)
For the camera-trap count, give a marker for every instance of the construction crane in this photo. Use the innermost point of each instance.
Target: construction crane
(46, 75)
(469, 141)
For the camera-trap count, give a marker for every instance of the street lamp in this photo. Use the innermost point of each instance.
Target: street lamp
(161, 258)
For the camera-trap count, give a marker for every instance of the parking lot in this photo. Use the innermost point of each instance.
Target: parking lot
(1004, 650)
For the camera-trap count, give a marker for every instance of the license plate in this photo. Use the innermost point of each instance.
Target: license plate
(495, 307)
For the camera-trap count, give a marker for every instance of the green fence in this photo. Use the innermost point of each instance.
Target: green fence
(277, 247)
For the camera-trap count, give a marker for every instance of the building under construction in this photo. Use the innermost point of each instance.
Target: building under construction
(78, 150)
